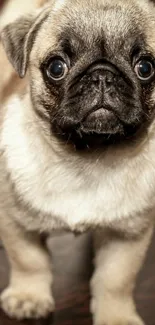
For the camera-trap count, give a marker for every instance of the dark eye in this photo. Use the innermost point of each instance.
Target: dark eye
(145, 69)
(56, 69)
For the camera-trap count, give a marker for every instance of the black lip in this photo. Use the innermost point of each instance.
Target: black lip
(93, 110)
(85, 138)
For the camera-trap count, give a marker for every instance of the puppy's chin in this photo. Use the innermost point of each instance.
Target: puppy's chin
(99, 128)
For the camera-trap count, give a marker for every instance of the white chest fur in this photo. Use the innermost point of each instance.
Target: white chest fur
(76, 190)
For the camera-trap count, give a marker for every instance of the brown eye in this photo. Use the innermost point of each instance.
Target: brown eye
(145, 70)
(56, 69)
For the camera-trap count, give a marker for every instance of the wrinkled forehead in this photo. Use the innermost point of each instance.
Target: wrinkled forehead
(82, 26)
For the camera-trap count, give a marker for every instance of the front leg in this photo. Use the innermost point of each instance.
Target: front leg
(29, 291)
(117, 263)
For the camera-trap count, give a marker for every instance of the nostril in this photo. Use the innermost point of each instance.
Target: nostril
(109, 80)
(96, 76)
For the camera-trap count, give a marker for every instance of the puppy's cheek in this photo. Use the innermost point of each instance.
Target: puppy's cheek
(151, 102)
(44, 98)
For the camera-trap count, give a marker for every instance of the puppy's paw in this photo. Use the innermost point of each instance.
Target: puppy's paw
(111, 315)
(133, 321)
(19, 304)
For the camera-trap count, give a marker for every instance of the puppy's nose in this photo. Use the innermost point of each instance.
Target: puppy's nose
(103, 79)
(103, 74)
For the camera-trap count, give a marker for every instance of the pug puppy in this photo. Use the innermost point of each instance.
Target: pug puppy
(78, 149)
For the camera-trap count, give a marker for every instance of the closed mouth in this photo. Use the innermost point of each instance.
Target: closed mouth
(97, 111)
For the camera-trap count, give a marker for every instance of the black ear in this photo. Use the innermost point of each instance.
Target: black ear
(17, 39)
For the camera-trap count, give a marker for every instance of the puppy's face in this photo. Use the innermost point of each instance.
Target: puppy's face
(92, 68)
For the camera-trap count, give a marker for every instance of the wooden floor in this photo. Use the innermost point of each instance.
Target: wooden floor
(72, 259)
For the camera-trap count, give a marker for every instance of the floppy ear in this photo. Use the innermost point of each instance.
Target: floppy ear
(17, 39)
